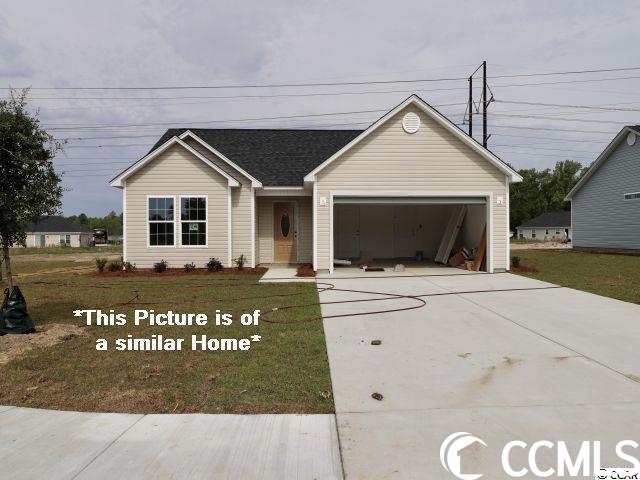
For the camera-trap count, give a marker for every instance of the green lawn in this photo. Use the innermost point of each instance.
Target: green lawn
(98, 251)
(616, 276)
(286, 372)
(20, 266)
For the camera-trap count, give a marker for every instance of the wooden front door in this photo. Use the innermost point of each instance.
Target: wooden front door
(284, 232)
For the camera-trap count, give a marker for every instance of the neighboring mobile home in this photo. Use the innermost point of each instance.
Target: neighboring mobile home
(605, 203)
(57, 231)
(548, 226)
(309, 196)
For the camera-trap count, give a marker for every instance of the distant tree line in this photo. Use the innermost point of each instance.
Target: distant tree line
(111, 222)
(543, 190)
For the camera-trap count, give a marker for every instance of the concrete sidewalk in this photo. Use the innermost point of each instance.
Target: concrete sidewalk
(73, 445)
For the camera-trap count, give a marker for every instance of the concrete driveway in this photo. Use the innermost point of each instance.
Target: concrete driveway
(538, 364)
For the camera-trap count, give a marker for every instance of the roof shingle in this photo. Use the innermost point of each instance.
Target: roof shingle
(276, 157)
(549, 219)
(55, 224)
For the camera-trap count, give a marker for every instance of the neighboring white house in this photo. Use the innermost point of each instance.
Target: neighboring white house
(57, 231)
(311, 196)
(548, 226)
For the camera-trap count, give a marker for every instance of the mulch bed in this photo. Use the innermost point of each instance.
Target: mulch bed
(180, 272)
(305, 270)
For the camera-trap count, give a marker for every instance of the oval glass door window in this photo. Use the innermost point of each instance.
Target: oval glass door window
(285, 224)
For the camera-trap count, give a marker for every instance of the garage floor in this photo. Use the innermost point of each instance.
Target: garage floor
(554, 364)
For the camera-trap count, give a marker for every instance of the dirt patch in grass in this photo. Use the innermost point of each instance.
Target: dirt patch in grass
(14, 346)
(305, 270)
(524, 269)
(180, 272)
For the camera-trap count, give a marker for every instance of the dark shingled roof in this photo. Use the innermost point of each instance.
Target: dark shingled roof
(276, 157)
(549, 219)
(55, 224)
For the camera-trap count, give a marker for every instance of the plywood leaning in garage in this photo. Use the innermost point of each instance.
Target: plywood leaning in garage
(451, 233)
(481, 252)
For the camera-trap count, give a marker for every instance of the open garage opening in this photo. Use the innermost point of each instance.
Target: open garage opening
(417, 232)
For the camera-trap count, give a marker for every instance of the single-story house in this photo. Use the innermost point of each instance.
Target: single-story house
(548, 226)
(56, 231)
(605, 203)
(312, 196)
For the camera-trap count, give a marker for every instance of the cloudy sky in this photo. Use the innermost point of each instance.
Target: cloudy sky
(214, 43)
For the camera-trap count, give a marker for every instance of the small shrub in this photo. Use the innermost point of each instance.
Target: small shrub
(240, 261)
(114, 266)
(160, 266)
(214, 265)
(100, 262)
(189, 267)
(515, 262)
(129, 267)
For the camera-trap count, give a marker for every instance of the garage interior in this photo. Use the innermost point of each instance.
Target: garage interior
(382, 232)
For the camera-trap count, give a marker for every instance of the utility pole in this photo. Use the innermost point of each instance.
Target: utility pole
(485, 104)
(470, 107)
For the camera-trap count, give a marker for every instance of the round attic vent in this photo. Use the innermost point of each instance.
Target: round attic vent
(631, 138)
(411, 122)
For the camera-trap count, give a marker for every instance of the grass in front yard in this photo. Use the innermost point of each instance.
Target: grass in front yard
(18, 266)
(286, 372)
(615, 276)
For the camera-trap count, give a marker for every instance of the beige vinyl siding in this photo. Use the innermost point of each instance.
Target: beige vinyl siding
(430, 160)
(240, 204)
(176, 172)
(264, 228)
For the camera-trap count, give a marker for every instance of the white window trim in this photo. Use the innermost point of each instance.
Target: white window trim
(206, 221)
(175, 242)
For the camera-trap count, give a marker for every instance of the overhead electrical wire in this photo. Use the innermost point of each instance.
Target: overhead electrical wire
(324, 84)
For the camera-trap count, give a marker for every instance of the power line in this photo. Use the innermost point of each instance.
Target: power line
(255, 119)
(551, 140)
(562, 119)
(326, 84)
(588, 107)
(552, 129)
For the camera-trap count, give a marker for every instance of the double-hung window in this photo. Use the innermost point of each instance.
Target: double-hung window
(161, 221)
(193, 221)
(65, 240)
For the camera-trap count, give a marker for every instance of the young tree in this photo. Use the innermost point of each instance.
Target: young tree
(30, 187)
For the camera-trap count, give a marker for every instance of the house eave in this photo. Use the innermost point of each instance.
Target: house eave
(513, 176)
(117, 181)
(598, 162)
